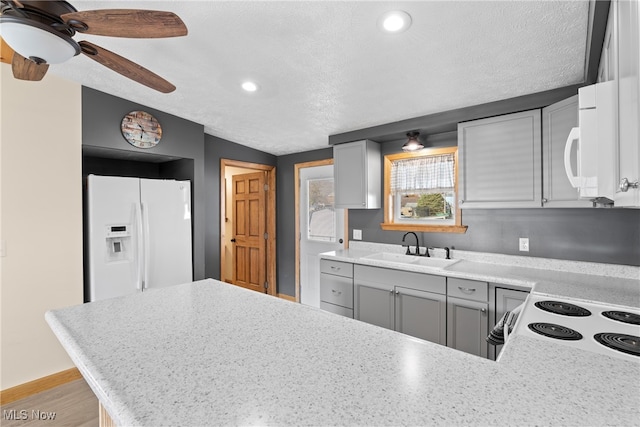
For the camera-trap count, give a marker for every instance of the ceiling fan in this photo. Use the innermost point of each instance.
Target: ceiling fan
(38, 33)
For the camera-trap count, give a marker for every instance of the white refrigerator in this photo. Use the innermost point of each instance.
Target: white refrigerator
(139, 235)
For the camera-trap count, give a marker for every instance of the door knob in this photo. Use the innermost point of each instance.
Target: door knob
(233, 240)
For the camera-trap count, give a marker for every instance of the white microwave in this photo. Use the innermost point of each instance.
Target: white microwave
(590, 151)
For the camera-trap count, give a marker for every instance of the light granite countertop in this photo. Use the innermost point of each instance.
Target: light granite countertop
(210, 353)
(599, 283)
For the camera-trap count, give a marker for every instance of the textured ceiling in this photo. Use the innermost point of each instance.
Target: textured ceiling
(325, 68)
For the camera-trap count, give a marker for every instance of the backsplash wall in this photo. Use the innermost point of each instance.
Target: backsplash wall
(592, 235)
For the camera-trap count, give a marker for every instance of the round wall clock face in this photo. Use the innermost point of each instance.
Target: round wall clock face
(141, 129)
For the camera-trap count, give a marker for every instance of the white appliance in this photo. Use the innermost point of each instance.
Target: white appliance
(590, 151)
(599, 328)
(139, 235)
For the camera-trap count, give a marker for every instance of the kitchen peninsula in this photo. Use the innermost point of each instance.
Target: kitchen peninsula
(209, 353)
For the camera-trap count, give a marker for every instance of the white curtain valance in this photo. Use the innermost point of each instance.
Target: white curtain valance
(434, 173)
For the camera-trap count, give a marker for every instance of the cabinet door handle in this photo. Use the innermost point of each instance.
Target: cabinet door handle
(391, 291)
(483, 310)
(397, 292)
(336, 292)
(467, 290)
(335, 268)
(625, 184)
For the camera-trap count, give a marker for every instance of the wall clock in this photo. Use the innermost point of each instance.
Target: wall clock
(141, 129)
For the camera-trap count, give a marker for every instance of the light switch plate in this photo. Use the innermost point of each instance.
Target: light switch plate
(357, 234)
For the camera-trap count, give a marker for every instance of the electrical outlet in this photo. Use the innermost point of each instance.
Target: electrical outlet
(357, 234)
(524, 244)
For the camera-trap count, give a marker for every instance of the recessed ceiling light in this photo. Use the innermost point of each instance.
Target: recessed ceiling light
(395, 21)
(249, 86)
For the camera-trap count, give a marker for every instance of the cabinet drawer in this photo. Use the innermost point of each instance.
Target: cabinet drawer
(338, 268)
(336, 309)
(467, 289)
(336, 290)
(408, 279)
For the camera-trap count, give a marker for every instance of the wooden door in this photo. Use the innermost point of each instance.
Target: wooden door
(249, 231)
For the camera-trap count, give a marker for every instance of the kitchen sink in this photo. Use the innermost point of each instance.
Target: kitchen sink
(435, 262)
(411, 259)
(391, 257)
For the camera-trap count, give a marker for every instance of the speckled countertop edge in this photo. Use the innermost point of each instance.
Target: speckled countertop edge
(385, 378)
(541, 275)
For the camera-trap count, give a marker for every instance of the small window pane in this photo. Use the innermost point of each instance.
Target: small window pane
(425, 207)
(322, 218)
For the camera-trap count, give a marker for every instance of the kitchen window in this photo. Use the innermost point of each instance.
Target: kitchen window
(421, 191)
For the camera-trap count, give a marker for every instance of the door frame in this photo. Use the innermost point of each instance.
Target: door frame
(270, 207)
(296, 180)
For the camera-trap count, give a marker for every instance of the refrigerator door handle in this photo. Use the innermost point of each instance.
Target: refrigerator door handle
(147, 248)
(139, 246)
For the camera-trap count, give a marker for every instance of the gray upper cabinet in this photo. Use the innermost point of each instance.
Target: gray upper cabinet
(358, 175)
(557, 121)
(500, 161)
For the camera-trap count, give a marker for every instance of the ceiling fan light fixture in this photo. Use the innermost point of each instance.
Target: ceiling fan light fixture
(32, 39)
(395, 21)
(413, 144)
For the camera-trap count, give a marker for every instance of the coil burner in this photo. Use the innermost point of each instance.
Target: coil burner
(622, 316)
(621, 342)
(563, 308)
(555, 331)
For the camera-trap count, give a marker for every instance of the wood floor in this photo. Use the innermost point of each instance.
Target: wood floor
(71, 404)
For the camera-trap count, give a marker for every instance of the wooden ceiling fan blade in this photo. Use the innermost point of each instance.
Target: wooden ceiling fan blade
(6, 52)
(26, 69)
(132, 23)
(126, 67)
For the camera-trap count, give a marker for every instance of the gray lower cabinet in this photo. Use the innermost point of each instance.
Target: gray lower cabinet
(468, 316)
(421, 314)
(411, 303)
(336, 287)
(506, 300)
(374, 303)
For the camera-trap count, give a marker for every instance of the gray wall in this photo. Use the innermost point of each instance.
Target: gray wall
(286, 210)
(596, 235)
(181, 139)
(593, 235)
(214, 150)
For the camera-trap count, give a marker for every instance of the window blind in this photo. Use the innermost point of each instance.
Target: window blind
(432, 173)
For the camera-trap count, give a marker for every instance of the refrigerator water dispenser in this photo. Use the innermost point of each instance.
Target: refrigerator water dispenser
(118, 243)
